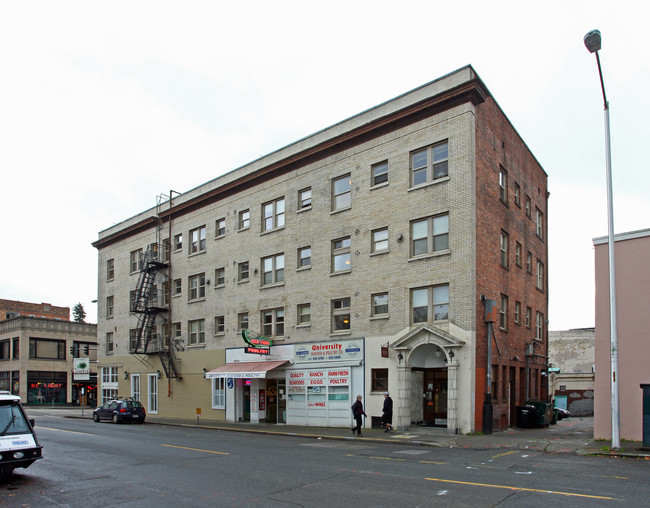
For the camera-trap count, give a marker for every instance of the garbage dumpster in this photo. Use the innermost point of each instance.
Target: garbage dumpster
(525, 417)
(543, 412)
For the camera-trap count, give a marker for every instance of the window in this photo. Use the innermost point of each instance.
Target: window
(197, 240)
(304, 257)
(220, 325)
(380, 304)
(430, 235)
(503, 313)
(165, 294)
(341, 315)
(110, 269)
(341, 253)
(5, 350)
(220, 277)
(243, 273)
(539, 326)
(429, 164)
(379, 173)
(47, 349)
(176, 330)
(219, 393)
(177, 287)
(220, 227)
(504, 249)
(15, 348)
(178, 242)
(503, 186)
(304, 199)
(135, 386)
(273, 215)
(166, 249)
(109, 343)
(273, 269)
(529, 262)
(540, 275)
(379, 240)
(518, 313)
(527, 206)
(135, 260)
(518, 254)
(430, 304)
(539, 223)
(196, 286)
(379, 380)
(517, 195)
(109, 306)
(133, 299)
(197, 332)
(529, 312)
(244, 219)
(273, 323)
(304, 314)
(341, 193)
(242, 321)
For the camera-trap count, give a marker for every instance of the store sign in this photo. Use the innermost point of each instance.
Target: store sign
(258, 344)
(318, 377)
(81, 369)
(340, 350)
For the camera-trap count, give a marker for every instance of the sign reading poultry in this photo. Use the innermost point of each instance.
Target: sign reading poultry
(257, 344)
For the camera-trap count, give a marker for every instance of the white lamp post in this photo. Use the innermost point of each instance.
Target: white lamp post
(592, 42)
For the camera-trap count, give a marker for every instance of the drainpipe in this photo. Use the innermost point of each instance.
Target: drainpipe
(490, 318)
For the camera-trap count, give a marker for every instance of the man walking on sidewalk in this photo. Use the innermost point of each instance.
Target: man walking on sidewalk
(357, 412)
(387, 417)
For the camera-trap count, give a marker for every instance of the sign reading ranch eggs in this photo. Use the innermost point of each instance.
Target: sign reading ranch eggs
(335, 350)
(319, 377)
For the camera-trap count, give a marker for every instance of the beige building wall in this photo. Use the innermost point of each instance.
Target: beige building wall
(633, 297)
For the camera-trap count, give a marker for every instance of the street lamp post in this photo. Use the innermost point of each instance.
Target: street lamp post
(592, 42)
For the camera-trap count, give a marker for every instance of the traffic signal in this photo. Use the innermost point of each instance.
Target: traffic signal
(86, 349)
(72, 350)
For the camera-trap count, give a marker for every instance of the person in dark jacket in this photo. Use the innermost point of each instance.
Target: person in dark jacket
(357, 412)
(387, 417)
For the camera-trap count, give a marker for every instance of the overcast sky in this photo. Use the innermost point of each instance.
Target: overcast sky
(105, 105)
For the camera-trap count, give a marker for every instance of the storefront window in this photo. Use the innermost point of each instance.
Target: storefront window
(46, 387)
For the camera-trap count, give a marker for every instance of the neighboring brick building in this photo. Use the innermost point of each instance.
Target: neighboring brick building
(13, 308)
(363, 252)
(632, 251)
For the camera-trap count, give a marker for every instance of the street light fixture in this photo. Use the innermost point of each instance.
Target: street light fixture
(593, 43)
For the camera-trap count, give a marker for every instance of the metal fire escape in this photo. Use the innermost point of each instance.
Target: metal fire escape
(150, 304)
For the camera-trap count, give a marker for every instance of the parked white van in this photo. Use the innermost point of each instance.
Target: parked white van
(18, 444)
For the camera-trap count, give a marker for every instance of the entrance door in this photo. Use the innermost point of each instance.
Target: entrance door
(282, 401)
(271, 401)
(247, 402)
(434, 402)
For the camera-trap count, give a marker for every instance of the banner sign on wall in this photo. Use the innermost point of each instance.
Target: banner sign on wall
(338, 350)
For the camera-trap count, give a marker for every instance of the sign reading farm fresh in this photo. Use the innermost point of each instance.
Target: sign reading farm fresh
(336, 350)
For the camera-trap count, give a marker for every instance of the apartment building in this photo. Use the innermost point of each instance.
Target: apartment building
(355, 261)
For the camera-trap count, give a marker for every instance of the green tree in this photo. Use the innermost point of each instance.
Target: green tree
(78, 313)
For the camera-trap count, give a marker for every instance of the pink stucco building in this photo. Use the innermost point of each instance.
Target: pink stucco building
(633, 306)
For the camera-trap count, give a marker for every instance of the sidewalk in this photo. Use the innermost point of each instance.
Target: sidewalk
(570, 436)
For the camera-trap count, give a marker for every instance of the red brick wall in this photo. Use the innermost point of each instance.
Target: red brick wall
(44, 310)
(498, 145)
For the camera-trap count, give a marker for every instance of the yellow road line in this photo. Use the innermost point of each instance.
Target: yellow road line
(194, 449)
(503, 454)
(520, 488)
(61, 430)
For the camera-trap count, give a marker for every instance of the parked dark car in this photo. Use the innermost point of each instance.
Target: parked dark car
(562, 413)
(121, 410)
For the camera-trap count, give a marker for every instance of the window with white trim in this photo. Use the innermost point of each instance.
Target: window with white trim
(244, 221)
(379, 173)
(273, 215)
(430, 304)
(341, 255)
(196, 332)
(220, 227)
(379, 240)
(219, 393)
(429, 164)
(341, 315)
(342, 192)
(273, 269)
(380, 304)
(196, 284)
(304, 314)
(110, 269)
(304, 257)
(429, 235)
(304, 199)
(273, 323)
(197, 240)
